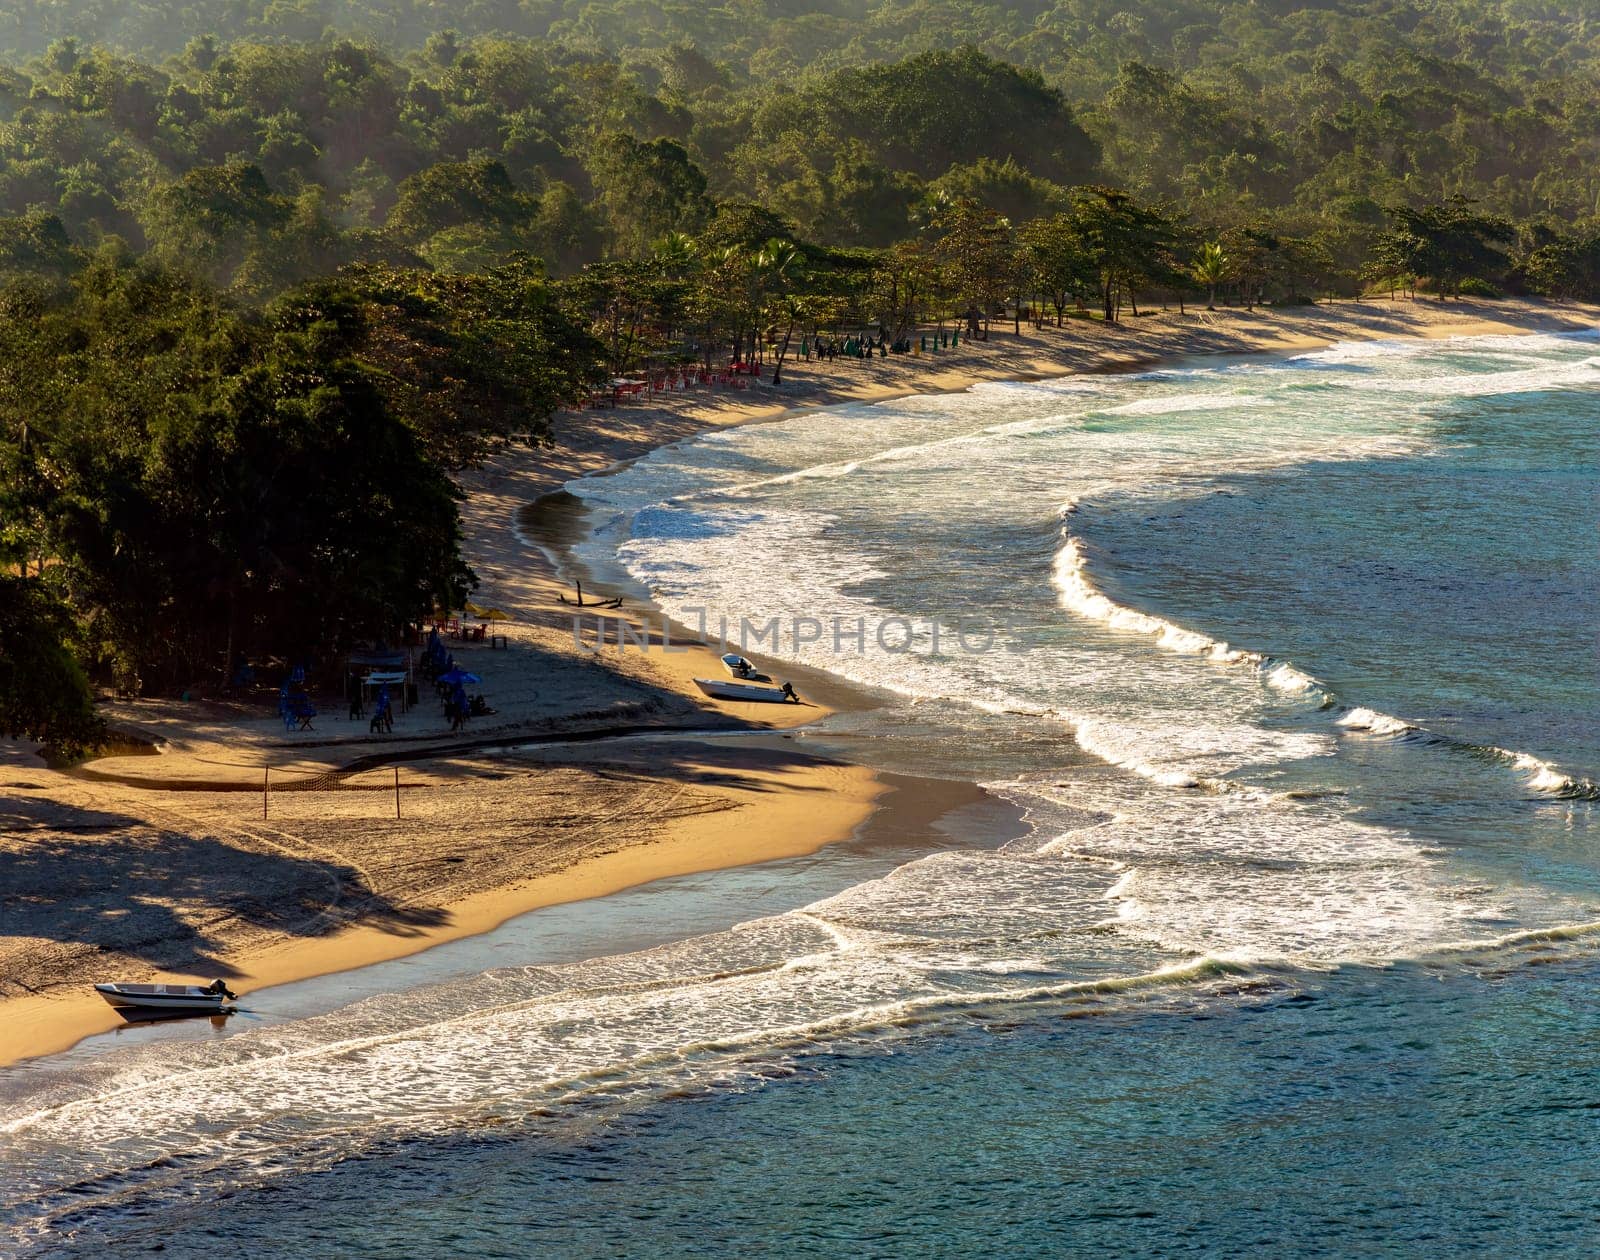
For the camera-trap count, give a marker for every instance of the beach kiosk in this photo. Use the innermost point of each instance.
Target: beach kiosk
(372, 669)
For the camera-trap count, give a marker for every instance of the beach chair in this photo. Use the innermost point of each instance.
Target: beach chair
(301, 711)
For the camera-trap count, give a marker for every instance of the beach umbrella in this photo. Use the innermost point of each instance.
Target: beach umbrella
(459, 676)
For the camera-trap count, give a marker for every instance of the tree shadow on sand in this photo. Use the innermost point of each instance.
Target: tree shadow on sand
(115, 885)
(657, 759)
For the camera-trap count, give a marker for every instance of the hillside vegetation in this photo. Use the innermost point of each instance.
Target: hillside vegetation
(268, 271)
(1279, 102)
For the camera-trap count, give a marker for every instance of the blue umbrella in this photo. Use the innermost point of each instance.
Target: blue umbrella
(459, 676)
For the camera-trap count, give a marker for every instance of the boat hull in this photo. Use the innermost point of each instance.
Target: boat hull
(157, 997)
(744, 692)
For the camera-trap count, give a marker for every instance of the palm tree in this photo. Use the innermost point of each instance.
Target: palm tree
(778, 261)
(778, 265)
(1211, 267)
(676, 253)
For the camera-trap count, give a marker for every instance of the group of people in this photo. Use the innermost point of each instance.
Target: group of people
(439, 665)
(458, 707)
(827, 349)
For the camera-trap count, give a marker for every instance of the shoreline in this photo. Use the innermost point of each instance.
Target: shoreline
(903, 814)
(50, 1023)
(757, 791)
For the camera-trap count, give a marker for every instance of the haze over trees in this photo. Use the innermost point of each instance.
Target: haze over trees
(264, 283)
(606, 119)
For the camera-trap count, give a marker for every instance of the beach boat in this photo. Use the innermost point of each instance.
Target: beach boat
(719, 690)
(737, 666)
(163, 997)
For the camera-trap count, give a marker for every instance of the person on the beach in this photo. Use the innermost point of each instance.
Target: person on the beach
(382, 714)
(790, 696)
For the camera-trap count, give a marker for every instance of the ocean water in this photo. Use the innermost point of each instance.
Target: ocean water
(1289, 666)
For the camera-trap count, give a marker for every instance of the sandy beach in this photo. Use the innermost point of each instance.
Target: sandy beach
(176, 863)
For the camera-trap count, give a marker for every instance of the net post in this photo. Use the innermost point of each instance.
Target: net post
(397, 791)
(265, 771)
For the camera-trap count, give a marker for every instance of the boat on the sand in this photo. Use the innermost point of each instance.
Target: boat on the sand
(719, 690)
(738, 667)
(167, 997)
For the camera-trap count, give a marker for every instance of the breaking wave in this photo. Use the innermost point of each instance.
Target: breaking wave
(1079, 594)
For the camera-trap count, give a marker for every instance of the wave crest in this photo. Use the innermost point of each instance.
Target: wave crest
(1077, 593)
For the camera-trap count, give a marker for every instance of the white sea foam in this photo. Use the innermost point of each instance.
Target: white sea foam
(1544, 776)
(693, 553)
(1265, 881)
(523, 1038)
(1177, 404)
(1080, 595)
(1194, 755)
(1360, 719)
(1482, 384)
(1380, 349)
(715, 560)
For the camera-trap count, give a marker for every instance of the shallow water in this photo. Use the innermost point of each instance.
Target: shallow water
(1292, 671)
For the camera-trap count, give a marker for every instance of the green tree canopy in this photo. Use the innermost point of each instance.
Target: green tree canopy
(647, 189)
(1448, 242)
(466, 360)
(1124, 240)
(204, 480)
(213, 218)
(455, 195)
(940, 109)
(44, 695)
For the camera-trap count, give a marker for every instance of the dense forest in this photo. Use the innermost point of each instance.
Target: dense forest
(1281, 103)
(270, 271)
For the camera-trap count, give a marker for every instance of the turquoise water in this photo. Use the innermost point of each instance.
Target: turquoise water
(1293, 678)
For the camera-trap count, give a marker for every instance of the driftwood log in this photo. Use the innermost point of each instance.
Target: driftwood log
(580, 602)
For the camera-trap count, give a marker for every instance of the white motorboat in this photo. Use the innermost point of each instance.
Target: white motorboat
(165, 997)
(737, 666)
(719, 690)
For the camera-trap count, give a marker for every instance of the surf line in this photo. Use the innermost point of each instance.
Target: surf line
(1078, 594)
